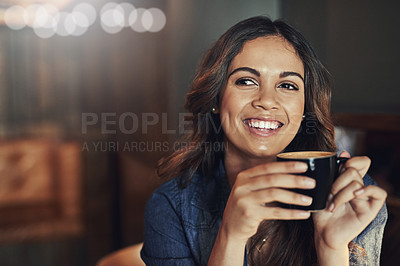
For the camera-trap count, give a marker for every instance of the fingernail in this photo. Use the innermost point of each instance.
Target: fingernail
(359, 192)
(331, 207)
(330, 196)
(300, 166)
(309, 182)
(306, 199)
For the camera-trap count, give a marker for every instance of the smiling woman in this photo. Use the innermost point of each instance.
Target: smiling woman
(260, 92)
(261, 83)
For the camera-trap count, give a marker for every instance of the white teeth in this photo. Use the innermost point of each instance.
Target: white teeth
(264, 124)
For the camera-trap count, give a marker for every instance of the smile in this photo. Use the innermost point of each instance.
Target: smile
(262, 124)
(261, 127)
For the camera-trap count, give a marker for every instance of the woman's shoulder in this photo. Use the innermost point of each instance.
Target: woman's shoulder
(184, 218)
(166, 197)
(203, 192)
(173, 188)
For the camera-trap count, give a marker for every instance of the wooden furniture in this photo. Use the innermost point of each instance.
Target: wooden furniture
(369, 122)
(129, 256)
(40, 190)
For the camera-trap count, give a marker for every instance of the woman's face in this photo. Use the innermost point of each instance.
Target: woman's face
(262, 103)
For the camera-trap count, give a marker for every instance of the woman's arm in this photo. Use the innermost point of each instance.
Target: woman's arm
(331, 257)
(165, 242)
(227, 251)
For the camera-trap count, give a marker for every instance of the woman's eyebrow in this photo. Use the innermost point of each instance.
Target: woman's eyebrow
(290, 73)
(248, 69)
(255, 72)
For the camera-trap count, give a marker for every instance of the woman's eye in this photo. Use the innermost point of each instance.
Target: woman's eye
(245, 82)
(288, 86)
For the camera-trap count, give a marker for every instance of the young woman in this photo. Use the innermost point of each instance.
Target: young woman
(260, 90)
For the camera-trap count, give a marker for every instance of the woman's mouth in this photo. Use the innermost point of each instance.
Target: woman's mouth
(262, 127)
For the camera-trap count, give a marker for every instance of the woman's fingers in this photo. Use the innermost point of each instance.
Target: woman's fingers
(344, 187)
(263, 197)
(373, 194)
(277, 213)
(280, 180)
(349, 175)
(345, 154)
(276, 174)
(345, 195)
(349, 181)
(360, 163)
(274, 168)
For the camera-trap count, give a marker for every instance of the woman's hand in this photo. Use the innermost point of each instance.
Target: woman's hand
(255, 193)
(351, 207)
(253, 199)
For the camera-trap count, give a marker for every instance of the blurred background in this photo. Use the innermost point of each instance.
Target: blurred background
(92, 94)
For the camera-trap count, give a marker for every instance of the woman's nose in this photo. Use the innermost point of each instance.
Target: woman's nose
(266, 98)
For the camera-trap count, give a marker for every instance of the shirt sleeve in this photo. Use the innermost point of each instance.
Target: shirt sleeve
(164, 238)
(367, 245)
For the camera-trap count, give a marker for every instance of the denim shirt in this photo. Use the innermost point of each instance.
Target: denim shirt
(181, 225)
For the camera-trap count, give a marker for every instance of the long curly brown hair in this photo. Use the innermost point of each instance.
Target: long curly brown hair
(293, 240)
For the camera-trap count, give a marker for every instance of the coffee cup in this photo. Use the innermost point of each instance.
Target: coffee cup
(323, 166)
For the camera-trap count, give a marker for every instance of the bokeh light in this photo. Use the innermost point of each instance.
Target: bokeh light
(158, 19)
(46, 20)
(31, 13)
(12, 17)
(44, 16)
(81, 22)
(63, 28)
(88, 10)
(128, 9)
(112, 18)
(47, 28)
(137, 24)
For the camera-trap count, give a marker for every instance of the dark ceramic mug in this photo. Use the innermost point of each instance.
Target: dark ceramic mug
(323, 166)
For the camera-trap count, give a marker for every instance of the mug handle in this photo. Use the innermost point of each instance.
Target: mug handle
(340, 161)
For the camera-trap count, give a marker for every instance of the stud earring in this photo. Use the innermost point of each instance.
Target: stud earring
(213, 110)
(304, 116)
